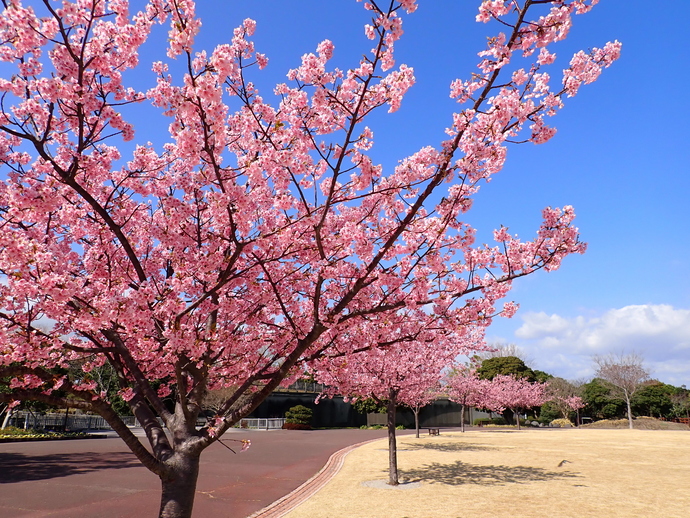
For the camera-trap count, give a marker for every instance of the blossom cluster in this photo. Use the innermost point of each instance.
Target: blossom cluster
(262, 238)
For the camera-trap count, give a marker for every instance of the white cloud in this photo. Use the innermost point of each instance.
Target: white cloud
(660, 333)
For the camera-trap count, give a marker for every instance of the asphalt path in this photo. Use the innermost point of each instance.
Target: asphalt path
(101, 478)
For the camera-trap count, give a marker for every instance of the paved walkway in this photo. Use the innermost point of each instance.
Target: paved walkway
(100, 478)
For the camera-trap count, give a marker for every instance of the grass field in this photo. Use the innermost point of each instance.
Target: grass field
(608, 473)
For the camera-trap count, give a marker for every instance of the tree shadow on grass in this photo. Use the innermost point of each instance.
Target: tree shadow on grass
(447, 446)
(461, 473)
(17, 467)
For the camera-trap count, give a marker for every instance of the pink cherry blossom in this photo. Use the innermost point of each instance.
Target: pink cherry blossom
(516, 394)
(468, 390)
(262, 238)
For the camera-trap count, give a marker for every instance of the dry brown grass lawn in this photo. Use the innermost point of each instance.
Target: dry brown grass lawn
(609, 473)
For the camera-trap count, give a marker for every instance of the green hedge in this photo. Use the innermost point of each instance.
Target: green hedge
(11, 434)
(299, 414)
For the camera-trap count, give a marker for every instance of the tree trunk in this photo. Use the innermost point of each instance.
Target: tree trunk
(7, 418)
(462, 418)
(179, 487)
(416, 420)
(517, 418)
(392, 446)
(627, 402)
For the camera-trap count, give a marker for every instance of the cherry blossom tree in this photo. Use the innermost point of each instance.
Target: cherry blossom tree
(563, 395)
(516, 394)
(465, 388)
(420, 396)
(575, 403)
(241, 249)
(394, 374)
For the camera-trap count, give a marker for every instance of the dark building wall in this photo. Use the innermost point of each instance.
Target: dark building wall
(328, 413)
(337, 413)
(441, 412)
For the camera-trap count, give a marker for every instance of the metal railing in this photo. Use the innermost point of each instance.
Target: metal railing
(256, 423)
(303, 386)
(57, 421)
(94, 422)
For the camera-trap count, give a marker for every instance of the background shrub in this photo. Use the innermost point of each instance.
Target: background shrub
(299, 414)
(12, 431)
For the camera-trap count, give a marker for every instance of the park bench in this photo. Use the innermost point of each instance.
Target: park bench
(433, 431)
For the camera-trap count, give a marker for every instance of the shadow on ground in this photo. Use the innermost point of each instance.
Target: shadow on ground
(461, 473)
(446, 446)
(17, 467)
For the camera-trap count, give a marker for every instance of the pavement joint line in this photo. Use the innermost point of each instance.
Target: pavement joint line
(298, 496)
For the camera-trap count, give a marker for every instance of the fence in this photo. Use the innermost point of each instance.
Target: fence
(303, 387)
(95, 422)
(377, 419)
(57, 421)
(262, 424)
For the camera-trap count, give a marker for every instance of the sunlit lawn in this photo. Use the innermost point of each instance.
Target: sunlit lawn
(608, 473)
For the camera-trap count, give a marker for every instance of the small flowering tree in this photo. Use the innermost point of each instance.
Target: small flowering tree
(394, 373)
(575, 403)
(516, 394)
(562, 394)
(465, 388)
(242, 248)
(420, 396)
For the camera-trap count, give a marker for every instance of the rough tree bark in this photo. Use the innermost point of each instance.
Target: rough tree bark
(179, 486)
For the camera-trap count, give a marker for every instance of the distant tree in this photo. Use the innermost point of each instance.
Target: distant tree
(370, 406)
(565, 397)
(509, 366)
(465, 388)
(505, 366)
(107, 382)
(598, 401)
(516, 394)
(624, 374)
(420, 395)
(541, 376)
(654, 400)
(681, 402)
(400, 375)
(502, 351)
(214, 400)
(548, 412)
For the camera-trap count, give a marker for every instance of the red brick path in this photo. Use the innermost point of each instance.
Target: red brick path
(100, 478)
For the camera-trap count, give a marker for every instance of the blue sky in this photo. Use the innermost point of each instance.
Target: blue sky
(620, 157)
